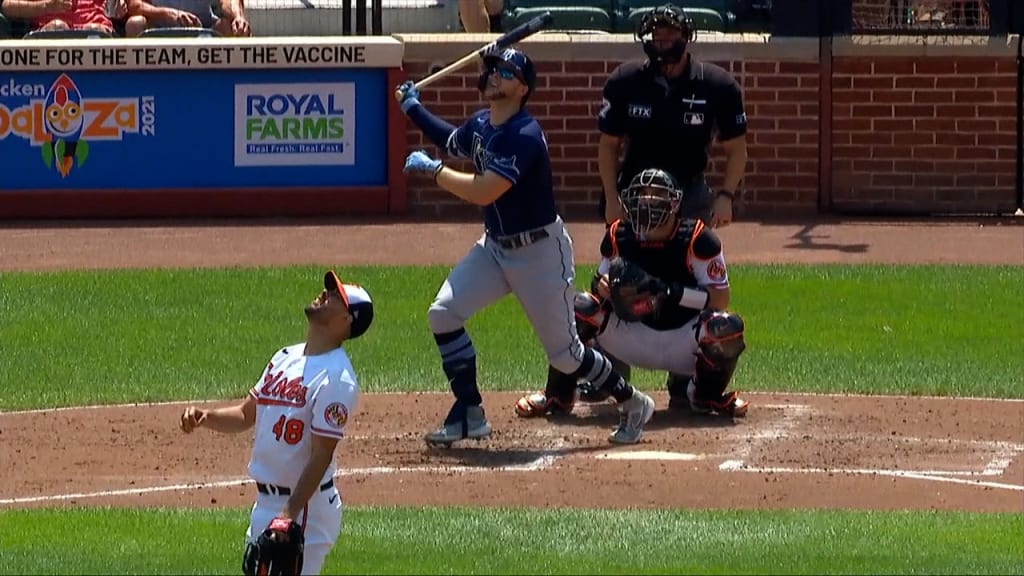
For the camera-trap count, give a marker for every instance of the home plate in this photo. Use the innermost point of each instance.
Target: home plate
(649, 455)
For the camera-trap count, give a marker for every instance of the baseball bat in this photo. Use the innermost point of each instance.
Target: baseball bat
(524, 30)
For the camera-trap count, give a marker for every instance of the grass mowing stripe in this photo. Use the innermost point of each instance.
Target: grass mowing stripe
(521, 541)
(91, 337)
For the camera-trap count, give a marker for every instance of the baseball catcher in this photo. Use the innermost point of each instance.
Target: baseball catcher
(277, 551)
(658, 301)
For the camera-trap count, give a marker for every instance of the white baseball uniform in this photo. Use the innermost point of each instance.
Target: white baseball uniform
(298, 396)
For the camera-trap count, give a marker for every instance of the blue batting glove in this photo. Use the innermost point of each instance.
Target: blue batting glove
(420, 161)
(409, 96)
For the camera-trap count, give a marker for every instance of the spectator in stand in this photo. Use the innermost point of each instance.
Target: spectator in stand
(143, 14)
(66, 14)
(481, 16)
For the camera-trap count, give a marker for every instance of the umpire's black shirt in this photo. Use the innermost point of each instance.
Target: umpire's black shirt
(670, 123)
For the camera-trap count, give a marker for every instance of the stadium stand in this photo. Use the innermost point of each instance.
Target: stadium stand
(616, 16)
(324, 17)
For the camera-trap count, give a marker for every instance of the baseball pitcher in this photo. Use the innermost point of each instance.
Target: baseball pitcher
(300, 407)
(658, 301)
(525, 248)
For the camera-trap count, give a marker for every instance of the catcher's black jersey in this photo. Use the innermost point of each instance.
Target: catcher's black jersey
(691, 257)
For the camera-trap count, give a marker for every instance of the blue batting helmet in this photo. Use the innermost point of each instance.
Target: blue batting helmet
(515, 60)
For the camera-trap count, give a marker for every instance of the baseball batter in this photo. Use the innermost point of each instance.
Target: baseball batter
(300, 406)
(525, 248)
(678, 322)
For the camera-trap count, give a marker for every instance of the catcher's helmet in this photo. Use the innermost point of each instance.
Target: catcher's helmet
(514, 60)
(666, 16)
(651, 200)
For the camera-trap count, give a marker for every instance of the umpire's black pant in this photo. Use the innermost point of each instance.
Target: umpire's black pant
(698, 199)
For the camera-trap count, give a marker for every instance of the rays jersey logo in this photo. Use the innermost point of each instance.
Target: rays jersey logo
(484, 158)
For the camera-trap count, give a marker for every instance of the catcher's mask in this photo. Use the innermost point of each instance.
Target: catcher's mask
(667, 16)
(508, 61)
(651, 200)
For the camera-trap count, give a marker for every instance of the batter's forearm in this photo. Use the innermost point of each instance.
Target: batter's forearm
(435, 129)
(469, 187)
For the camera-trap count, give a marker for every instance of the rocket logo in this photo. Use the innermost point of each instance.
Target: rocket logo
(63, 121)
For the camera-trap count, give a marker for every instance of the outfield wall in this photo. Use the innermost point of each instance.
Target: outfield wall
(204, 127)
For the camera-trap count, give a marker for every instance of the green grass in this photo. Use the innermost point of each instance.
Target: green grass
(98, 337)
(503, 541)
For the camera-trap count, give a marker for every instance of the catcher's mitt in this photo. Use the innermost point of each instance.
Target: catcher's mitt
(635, 294)
(277, 551)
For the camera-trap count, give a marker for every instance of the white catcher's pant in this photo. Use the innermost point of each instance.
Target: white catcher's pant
(639, 345)
(322, 522)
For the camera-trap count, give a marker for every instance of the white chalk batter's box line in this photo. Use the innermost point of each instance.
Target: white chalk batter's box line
(794, 414)
(933, 476)
(1004, 454)
(544, 460)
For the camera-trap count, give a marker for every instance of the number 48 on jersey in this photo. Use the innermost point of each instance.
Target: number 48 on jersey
(290, 429)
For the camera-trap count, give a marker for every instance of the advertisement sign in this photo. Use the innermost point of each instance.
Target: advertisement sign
(260, 53)
(295, 124)
(152, 130)
(61, 124)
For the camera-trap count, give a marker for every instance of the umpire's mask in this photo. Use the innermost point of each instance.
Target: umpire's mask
(651, 200)
(667, 16)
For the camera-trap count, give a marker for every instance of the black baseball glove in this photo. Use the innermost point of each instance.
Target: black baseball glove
(277, 551)
(635, 294)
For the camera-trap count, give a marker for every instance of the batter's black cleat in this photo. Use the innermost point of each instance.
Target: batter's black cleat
(474, 427)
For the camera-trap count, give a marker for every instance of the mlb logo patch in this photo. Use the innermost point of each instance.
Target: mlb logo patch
(693, 119)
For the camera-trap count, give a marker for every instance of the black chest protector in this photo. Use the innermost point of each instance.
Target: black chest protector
(668, 260)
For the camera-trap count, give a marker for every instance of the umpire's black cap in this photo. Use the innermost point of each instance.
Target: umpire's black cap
(356, 299)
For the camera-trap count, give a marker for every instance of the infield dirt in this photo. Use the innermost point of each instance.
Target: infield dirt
(792, 451)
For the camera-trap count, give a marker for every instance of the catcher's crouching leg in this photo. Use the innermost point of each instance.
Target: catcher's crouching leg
(560, 394)
(720, 344)
(677, 385)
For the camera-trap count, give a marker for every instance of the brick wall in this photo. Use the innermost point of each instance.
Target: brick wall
(782, 106)
(912, 128)
(936, 133)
